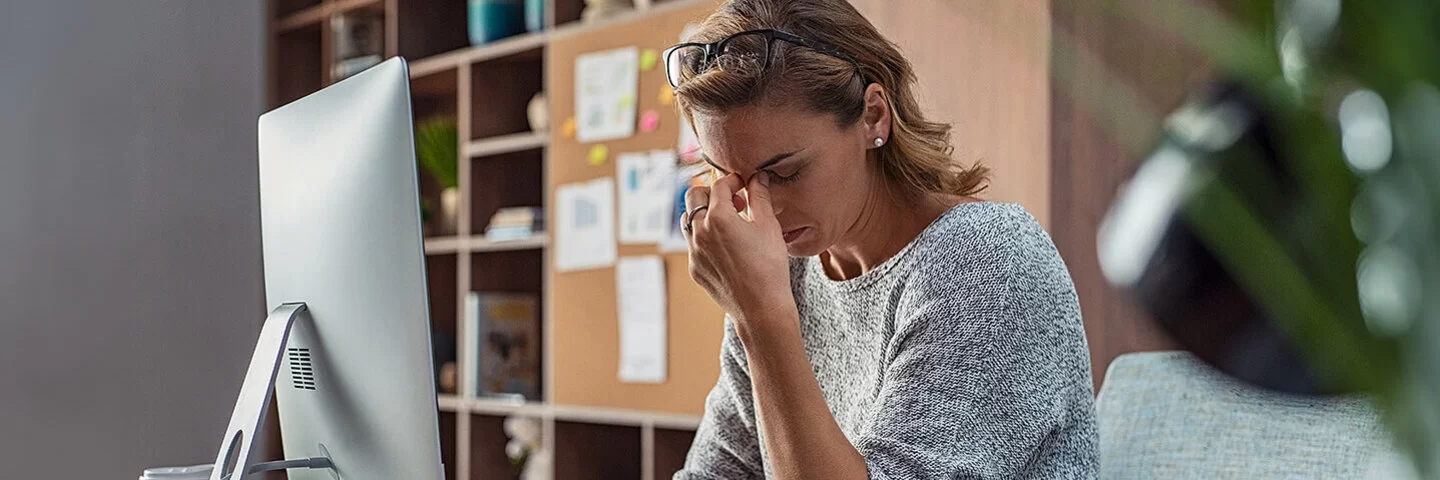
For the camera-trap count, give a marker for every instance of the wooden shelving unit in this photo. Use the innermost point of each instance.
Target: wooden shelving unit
(503, 164)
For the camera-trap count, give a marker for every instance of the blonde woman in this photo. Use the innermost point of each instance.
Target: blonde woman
(883, 322)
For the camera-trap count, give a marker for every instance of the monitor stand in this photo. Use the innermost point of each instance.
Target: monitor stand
(254, 402)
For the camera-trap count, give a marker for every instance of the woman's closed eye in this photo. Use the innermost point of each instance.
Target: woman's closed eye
(783, 179)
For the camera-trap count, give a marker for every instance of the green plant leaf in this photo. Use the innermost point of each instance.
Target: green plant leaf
(437, 148)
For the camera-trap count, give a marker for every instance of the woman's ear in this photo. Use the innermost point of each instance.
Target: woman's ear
(876, 119)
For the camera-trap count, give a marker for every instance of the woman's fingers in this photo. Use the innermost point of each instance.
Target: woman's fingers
(696, 197)
(758, 198)
(722, 193)
(741, 204)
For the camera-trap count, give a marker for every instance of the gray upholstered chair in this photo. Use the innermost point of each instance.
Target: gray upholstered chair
(1165, 415)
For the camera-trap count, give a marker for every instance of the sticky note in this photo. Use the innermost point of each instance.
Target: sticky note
(599, 154)
(568, 128)
(649, 121)
(667, 95)
(648, 59)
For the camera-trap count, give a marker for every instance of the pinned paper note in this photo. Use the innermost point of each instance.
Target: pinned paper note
(598, 155)
(646, 182)
(605, 91)
(667, 95)
(649, 121)
(586, 228)
(685, 177)
(568, 128)
(648, 59)
(640, 292)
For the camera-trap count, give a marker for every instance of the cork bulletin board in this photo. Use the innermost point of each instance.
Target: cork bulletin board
(584, 325)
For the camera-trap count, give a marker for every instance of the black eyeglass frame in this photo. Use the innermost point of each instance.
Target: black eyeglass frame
(713, 51)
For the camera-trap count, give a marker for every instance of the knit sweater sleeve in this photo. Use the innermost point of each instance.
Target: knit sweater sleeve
(727, 444)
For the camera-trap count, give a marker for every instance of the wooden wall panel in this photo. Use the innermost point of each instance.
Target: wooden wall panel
(983, 67)
(1088, 163)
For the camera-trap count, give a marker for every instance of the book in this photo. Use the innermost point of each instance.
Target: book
(502, 355)
(515, 216)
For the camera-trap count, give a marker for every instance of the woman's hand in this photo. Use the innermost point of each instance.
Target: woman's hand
(740, 262)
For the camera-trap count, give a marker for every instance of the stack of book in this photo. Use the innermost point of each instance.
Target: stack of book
(515, 223)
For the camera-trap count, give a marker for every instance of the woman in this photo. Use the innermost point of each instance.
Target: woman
(914, 331)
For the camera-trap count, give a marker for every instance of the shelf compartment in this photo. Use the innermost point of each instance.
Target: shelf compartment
(517, 271)
(566, 12)
(434, 94)
(441, 275)
(430, 27)
(298, 66)
(515, 179)
(500, 93)
(671, 446)
(448, 436)
(601, 452)
(487, 448)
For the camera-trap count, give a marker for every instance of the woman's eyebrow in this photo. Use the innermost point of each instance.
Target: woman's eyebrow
(768, 163)
(776, 159)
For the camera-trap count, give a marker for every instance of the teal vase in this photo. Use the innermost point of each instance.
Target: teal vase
(534, 15)
(491, 20)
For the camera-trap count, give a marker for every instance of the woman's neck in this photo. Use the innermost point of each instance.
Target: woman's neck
(886, 224)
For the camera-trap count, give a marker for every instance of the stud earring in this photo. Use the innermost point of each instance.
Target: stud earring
(879, 142)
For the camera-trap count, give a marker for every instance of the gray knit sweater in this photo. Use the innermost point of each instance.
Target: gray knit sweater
(963, 356)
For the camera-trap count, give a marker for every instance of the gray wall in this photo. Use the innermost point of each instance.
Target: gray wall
(130, 290)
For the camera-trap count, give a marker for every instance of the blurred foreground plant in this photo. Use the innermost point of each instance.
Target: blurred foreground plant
(1288, 212)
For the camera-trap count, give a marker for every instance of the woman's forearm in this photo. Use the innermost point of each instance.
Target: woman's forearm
(801, 437)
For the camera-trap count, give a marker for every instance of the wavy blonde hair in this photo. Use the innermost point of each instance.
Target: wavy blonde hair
(918, 155)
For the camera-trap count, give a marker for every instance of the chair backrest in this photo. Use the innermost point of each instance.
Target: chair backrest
(1167, 415)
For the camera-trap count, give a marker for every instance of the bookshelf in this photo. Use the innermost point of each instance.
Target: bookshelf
(503, 163)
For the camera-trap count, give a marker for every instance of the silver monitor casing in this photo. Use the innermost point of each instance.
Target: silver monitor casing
(340, 222)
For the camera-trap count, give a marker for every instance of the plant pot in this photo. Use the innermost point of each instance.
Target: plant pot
(449, 210)
(538, 113)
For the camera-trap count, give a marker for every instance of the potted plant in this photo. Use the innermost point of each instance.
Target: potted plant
(437, 148)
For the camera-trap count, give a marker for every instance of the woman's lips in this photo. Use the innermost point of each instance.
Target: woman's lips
(791, 235)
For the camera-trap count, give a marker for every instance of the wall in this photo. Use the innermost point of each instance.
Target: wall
(130, 291)
(1088, 157)
(983, 67)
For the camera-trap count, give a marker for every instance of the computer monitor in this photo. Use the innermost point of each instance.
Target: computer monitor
(344, 264)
